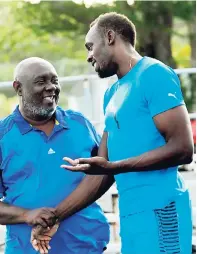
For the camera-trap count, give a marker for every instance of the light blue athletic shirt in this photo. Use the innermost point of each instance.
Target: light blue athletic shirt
(130, 104)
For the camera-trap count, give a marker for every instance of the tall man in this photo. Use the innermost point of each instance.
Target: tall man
(147, 135)
(33, 141)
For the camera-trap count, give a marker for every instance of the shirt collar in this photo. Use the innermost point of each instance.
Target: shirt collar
(61, 116)
(25, 127)
(22, 124)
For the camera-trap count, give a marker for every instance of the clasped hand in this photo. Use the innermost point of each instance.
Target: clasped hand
(45, 225)
(41, 237)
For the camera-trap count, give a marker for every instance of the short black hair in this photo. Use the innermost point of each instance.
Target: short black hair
(119, 23)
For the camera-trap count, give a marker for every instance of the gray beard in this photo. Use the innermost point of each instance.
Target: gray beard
(35, 112)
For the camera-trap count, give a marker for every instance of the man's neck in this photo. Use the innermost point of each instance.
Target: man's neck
(126, 61)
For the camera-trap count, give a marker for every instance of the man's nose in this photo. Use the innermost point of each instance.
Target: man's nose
(90, 57)
(50, 86)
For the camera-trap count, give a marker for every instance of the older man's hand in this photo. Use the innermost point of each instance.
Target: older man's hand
(40, 237)
(44, 216)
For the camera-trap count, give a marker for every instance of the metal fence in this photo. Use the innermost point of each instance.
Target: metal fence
(85, 93)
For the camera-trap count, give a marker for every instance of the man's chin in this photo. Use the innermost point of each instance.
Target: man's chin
(103, 74)
(51, 110)
(46, 112)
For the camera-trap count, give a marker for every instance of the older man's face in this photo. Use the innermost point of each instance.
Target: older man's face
(40, 93)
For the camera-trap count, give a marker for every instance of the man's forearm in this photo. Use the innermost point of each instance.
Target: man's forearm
(11, 214)
(89, 190)
(161, 158)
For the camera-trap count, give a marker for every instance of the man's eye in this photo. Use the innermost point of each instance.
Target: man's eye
(89, 48)
(55, 81)
(41, 81)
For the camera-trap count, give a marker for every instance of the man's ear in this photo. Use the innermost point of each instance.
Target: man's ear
(111, 35)
(17, 87)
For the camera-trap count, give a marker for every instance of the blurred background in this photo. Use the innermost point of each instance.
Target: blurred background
(55, 31)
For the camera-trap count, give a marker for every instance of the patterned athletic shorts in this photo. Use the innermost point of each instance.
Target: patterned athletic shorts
(167, 230)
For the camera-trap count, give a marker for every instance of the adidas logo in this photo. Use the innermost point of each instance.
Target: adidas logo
(51, 151)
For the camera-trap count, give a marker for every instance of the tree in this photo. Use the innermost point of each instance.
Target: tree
(64, 24)
(56, 30)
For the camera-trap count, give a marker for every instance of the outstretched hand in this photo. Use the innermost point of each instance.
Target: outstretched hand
(92, 166)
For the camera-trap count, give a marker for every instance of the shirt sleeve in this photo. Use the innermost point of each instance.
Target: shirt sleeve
(95, 137)
(162, 89)
(106, 99)
(104, 107)
(2, 189)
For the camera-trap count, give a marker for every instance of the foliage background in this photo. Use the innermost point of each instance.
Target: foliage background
(55, 30)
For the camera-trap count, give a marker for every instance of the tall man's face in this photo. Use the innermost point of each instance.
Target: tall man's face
(100, 54)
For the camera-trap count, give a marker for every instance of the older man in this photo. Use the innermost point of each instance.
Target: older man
(33, 141)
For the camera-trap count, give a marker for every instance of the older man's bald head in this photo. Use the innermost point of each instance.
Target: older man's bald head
(37, 85)
(30, 67)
